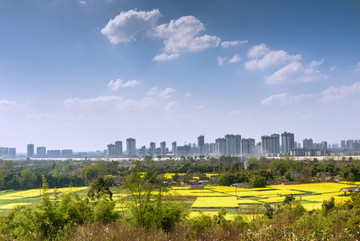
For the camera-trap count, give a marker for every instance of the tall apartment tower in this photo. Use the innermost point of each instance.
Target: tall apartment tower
(308, 143)
(163, 148)
(118, 149)
(41, 151)
(152, 148)
(174, 148)
(131, 147)
(201, 145)
(232, 145)
(30, 150)
(270, 144)
(247, 147)
(220, 147)
(111, 150)
(287, 142)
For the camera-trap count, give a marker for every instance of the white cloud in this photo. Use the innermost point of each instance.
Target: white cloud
(270, 59)
(293, 72)
(182, 35)
(166, 93)
(221, 60)
(357, 68)
(334, 94)
(83, 2)
(119, 83)
(258, 50)
(316, 63)
(332, 69)
(199, 107)
(165, 57)
(172, 106)
(284, 99)
(235, 59)
(126, 25)
(8, 104)
(113, 101)
(152, 91)
(227, 44)
(188, 94)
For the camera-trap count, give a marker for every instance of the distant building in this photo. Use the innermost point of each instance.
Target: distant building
(201, 145)
(53, 153)
(4, 151)
(247, 147)
(323, 145)
(184, 150)
(232, 145)
(111, 150)
(67, 153)
(212, 148)
(163, 148)
(308, 144)
(270, 144)
(343, 144)
(12, 152)
(287, 142)
(118, 149)
(152, 149)
(30, 150)
(41, 152)
(220, 147)
(174, 148)
(131, 147)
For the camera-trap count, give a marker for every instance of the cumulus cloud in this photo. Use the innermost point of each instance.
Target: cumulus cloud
(227, 44)
(166, 57)
(119, 83)
(293, 72)
(357, 68)
(182, 35)
(269, 59)
(126, 25)
(166, 93)
(83, 2)
(113, 101)
(234, 59)
(284, 99)
(334, 94)
(258, 51)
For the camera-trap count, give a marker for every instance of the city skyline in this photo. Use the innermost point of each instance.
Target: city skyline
(80, 74)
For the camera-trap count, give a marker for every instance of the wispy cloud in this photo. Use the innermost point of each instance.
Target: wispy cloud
(171, 106)
(227, 44)
(10, 104)
(357, 68)
(119, 83)
(315, 63)
(234, 59)
(294, 72)
(166, 93)
(111, 101)
(335, 94)
(166, 57)
(283, 99)
(221, 60)
(188, 94)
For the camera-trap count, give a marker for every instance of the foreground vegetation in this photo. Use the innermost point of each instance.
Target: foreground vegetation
(134, 200)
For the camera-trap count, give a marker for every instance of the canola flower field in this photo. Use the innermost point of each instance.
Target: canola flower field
(211, 198)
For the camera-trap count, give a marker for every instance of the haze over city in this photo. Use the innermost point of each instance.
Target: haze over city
(83, 74)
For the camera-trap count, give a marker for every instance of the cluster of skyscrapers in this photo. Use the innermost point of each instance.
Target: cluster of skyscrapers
(229, 145)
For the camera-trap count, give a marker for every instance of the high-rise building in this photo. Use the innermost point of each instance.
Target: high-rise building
(12, 152)
(118, 149)
(343, 144)
(174, 148)
(270, 144)
(212, 148)
(350, 145)
(232, 145)
(67, 153)
(308, 144)
(131, 147)
(323, 145)
(201, 145)
(152, 149)
(247, 147)
(30, 150)
(220, 147)
(41, 151)
(287, 142)
(163, 148)
(111, 150)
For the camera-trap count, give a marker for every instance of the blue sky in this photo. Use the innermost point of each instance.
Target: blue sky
(82, 74)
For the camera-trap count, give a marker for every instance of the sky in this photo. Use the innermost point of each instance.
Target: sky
(82, 74)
